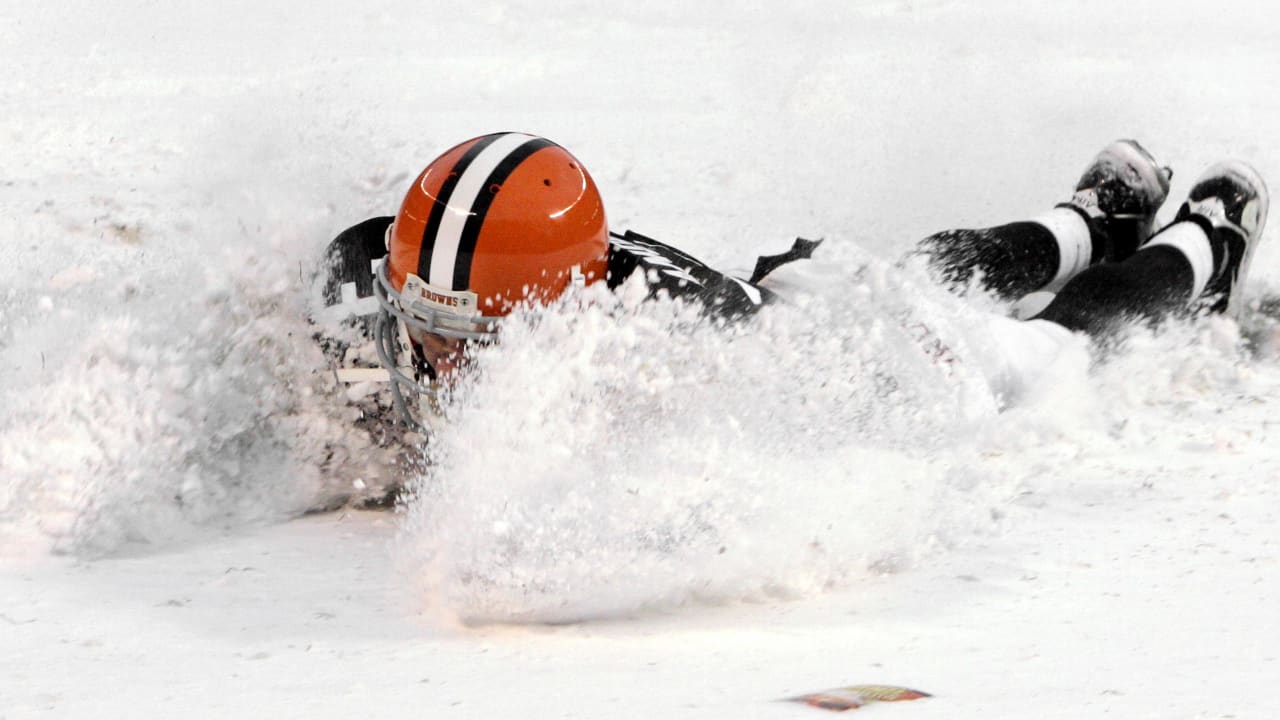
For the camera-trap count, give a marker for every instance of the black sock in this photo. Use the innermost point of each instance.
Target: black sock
(1017, 258)
(1161, 279)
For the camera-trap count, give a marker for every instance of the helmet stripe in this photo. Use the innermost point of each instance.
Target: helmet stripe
(480, 208)
(471, 180)
(432, 228)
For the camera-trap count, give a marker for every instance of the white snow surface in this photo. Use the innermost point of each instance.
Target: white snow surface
(629, 513)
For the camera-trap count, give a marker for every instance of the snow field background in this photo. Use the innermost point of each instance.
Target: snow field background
(171, 171)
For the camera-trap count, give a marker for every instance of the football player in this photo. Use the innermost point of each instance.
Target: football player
(496, 221)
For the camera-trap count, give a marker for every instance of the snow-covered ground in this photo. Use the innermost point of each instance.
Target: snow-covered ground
(624, 520)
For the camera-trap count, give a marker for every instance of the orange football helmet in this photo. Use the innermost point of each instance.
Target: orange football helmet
(495, 221)
(498, 220)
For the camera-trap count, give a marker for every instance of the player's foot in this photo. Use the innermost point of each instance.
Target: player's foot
(1121, 191)
(1230, 202)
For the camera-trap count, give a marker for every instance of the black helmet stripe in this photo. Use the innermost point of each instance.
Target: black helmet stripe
(442, 200)
(480, 208)
(456, 209)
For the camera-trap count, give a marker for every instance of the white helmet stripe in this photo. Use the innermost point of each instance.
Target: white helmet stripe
(444, 252)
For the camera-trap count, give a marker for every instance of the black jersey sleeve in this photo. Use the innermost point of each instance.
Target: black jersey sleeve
(347, 265)
(674, 272)
(345, 279)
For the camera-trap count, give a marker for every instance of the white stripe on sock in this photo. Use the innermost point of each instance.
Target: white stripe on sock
(444, 253)
(1075, 245)
(1189, 239)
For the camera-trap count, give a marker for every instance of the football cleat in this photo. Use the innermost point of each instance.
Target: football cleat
(1121, 191)
(1230, 201)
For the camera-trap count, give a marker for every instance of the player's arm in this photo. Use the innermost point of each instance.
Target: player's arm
(348, 262)
(348, 309)
(676, 273)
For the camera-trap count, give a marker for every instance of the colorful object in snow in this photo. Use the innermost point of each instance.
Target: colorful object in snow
(855, 696)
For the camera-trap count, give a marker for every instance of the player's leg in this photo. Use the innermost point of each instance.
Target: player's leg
(1199, 261)
(1108, 217)
(1018, 258)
